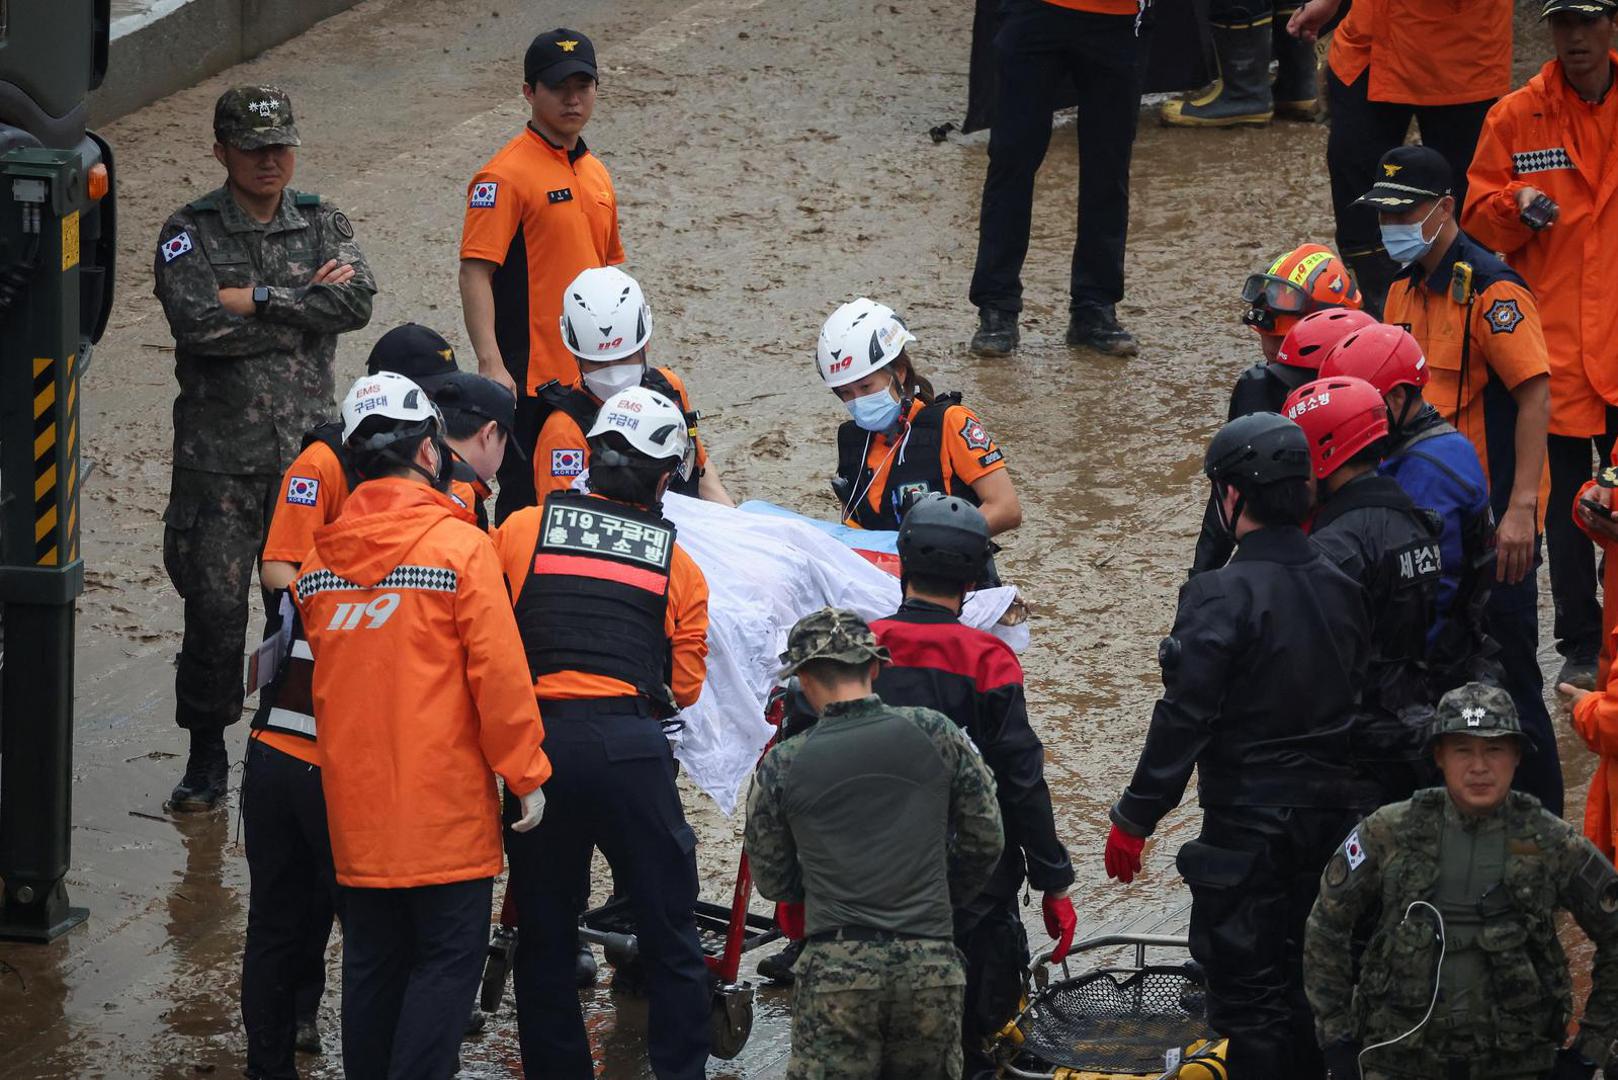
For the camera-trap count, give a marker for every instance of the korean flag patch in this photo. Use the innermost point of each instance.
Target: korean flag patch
(1503, 316)
(567, 462)
(1353, 851)
(483, 195)
(175, 246)
(303, 490)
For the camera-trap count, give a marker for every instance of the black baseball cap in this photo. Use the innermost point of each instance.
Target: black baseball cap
(556, 54)
(1579, 7)
(480, 396)
(1408, 175)
(414, 351)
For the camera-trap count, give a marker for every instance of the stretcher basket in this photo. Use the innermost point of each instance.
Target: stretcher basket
(1140, 1021)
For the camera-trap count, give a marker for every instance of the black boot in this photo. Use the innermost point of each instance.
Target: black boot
(1241, 94)
(206, 770)
(1093, 326)
(1297, 67)
(584, 967)
(307, 1039)
(997, 333)
(778, 968)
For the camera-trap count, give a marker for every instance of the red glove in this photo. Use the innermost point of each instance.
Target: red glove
(1123, 855)
(1060, 923)
(789, 917)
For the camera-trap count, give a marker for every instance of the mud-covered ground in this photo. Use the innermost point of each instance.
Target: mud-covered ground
(771, 161)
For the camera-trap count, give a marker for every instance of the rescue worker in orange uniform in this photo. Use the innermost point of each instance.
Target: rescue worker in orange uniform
(1282, 306)
(1540, 192)
(421, 701)
(539, 211)
(1595, 715)
(903, 440)
(293, 894)
(607, 325)
(1478, 326)
(613, 616)
(1441, 62)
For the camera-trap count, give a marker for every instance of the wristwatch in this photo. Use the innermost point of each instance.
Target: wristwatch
(261, 295)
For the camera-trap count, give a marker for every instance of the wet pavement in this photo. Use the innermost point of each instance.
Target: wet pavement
(772, 160)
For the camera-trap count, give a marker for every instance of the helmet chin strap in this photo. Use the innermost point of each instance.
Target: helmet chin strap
(1228, 521)
(1395, 426)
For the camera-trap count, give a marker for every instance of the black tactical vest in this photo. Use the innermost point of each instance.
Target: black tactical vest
(582, 409)
(597, 593)
(917, 473)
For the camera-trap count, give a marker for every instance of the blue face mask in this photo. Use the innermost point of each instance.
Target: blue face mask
(874, 412)
(1405, 243)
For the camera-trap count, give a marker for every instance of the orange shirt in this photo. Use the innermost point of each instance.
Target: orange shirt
(542, 215)
(1426, 52)
(967, 453)
(1100, 7)
(561, 454)
(1547, 137)
(419, 686)
(1507, 342)
(685, 621)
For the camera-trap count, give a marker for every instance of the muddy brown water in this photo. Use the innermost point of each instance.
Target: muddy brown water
(772, 161)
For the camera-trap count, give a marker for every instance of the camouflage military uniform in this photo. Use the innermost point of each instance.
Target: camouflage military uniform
(249, 388)
(1504, 998)
(912, 829)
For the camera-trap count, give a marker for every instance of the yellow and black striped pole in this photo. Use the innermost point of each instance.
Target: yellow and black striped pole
(43, 197)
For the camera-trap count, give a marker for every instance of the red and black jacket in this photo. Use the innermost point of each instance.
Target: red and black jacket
(975, 679)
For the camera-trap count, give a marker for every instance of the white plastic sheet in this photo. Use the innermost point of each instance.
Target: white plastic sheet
(765, 571)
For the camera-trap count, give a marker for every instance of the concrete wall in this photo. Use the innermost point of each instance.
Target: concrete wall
(160, 46)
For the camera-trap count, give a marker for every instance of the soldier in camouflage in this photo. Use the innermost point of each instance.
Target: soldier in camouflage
(878, 820)
(257, 281)
(1463, 975)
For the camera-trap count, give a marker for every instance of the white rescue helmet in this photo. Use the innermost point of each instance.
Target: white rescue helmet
(862, 336)
(391, 396)
(651, 424)
(604, 315)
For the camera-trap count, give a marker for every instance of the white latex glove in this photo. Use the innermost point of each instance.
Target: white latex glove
(533, 808)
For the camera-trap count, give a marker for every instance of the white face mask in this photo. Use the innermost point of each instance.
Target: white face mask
(607, 381)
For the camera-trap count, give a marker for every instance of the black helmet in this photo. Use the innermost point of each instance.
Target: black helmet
(943, 536)
(1255, 450)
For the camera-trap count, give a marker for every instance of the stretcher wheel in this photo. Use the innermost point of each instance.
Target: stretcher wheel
(730, 1021)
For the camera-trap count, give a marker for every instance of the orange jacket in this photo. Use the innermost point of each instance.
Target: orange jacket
(420, 688)
(1596, 717)
(686, 620)
(1426, 52)
(1545, 136)
(562, 454)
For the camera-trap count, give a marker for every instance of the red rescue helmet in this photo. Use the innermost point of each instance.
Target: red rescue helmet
(1340, 417)
(1307, 343)
(1384, 356)
(1307, 278)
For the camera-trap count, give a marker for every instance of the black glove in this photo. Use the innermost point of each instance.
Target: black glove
(1572, 1065)
(1343, 1060)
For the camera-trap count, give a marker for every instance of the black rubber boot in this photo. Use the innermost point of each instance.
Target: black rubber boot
(1580, 671)
(778, 967)
(1297, 67)
(307, 1039)
(207, 770)
(1241, 94)
(1095, 327)
(997, 333)
(584, 967)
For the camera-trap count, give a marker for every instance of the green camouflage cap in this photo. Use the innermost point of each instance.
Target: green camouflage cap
(1475, 709)
(251, 117)
(830, 634)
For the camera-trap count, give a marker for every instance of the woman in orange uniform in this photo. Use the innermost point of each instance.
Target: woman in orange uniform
(903, 440)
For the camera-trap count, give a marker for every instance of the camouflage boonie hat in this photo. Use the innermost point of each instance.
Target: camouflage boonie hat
(830, 634)
(1475, 709)
(251, 117)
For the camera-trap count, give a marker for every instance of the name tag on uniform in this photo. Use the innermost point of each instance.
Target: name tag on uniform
(560, 195)
(601, 532)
